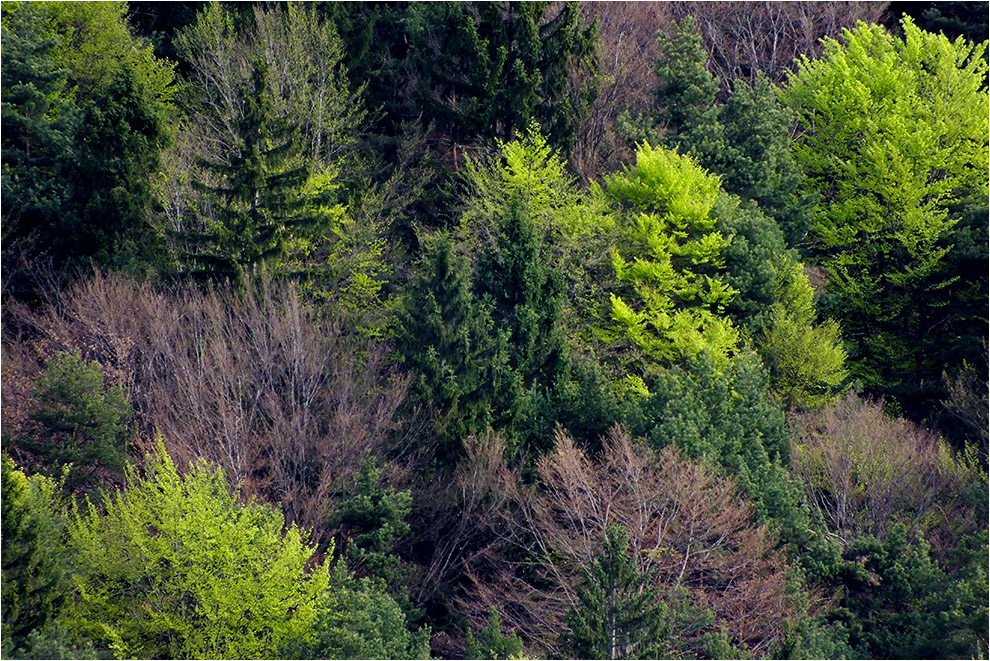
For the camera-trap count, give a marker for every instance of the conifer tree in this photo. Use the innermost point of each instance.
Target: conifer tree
(515, 276)
(619, 614)
(449, 341)
(259, 200)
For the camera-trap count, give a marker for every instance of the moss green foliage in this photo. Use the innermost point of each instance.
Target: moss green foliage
(426, 177)
(176, 567)
(373, 521)
(894, 131)
(448, 340)
(901, 602)
(97, 99)
(77, 419)
(666, 260)
(492, 642)
(358, 620)
(619, 614)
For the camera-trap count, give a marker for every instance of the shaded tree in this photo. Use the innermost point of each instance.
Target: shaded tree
(619, 614)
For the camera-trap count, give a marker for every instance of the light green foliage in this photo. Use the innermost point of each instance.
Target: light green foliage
(76, 419)
(175, 566)
(35, 582)
(746, 139)
(575, 228)
(806, 360)
(492, 643)
(667, 257)
(893, 131)
(619, 613)
(358, 620)
(96, 46)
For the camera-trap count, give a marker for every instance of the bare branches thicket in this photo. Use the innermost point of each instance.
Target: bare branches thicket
(866, 471)
(627, 49)
(287, 405)
(744, 38)
(684, 522)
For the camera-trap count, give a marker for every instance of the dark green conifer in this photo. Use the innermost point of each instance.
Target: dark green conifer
(619, 614)
(448, 339)
(259, 202)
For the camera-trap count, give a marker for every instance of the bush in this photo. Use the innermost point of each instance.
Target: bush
(77, 419)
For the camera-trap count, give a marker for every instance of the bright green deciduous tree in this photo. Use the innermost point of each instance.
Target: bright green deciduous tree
(667, 258)
(806, 359)
(175, 566)
(619, 614)
(894, 131)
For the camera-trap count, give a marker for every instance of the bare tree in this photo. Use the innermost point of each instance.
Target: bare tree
(287, 404)
(866, 471)
(685, 524)
(744, 38)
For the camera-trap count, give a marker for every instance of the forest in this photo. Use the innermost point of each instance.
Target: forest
(494, 330)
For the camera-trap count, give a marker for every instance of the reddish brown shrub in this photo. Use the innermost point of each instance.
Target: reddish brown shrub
(684, 522)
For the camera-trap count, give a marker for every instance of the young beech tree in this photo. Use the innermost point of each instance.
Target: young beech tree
(175, 566)
(667, 257)
(894, 132)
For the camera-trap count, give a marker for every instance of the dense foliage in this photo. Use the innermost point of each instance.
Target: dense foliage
(494, 330)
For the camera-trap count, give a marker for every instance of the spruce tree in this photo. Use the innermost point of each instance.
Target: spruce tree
(448, 339)
(619, 614)
(515, 276)
(258, 202)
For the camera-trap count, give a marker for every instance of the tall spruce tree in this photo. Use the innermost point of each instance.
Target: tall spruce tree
(259, 201)
(450, 342)
(619, 614)
(515, 276)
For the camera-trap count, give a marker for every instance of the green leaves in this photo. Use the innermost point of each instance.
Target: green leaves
(666, 255)
(894, 132)
(176, 567)
(78, 420)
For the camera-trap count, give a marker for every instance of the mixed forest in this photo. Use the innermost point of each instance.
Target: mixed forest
(494, 330)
